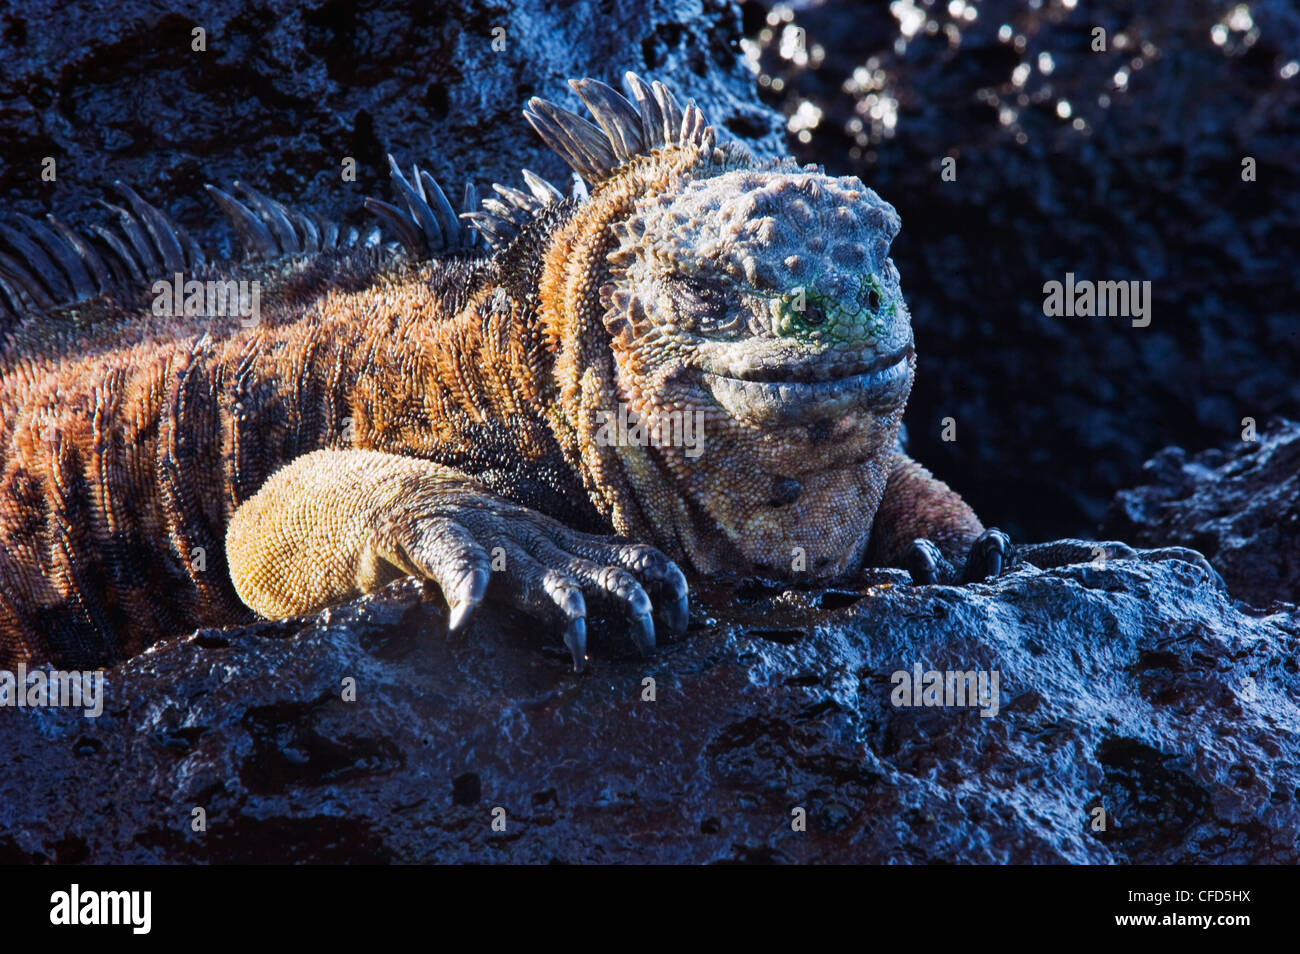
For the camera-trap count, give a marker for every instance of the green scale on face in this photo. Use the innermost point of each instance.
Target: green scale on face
(834, 310)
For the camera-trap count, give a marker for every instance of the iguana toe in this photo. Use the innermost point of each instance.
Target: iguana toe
(467, 596)
(1066, 552)
(1187, 555)
(926, 562)
(538, 566)
(990, 552)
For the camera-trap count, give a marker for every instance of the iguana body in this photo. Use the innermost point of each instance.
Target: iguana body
(445, 418)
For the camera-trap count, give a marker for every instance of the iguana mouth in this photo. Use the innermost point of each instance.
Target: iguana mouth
(820, 370)
(794, 393)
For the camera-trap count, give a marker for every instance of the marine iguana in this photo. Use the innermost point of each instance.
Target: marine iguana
(437, 409)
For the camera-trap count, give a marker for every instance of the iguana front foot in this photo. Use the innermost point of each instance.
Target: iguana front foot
(338, 523)
(989, 554)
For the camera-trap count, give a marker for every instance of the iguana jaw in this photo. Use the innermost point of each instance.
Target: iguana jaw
(811, 391)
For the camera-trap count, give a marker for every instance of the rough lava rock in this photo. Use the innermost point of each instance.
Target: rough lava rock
(1135, 687)
(1240, 508)
(287, 88)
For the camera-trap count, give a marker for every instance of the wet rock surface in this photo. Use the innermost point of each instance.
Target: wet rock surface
(1241, 508)
(1134, 687)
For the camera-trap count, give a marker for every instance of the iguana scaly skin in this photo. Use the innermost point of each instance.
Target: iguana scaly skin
(452, 418)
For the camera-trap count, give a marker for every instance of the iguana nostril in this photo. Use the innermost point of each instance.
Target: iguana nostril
(873, 300)
(813, 314)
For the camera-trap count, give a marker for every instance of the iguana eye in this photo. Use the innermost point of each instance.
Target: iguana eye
(813, 314)
(706, 305)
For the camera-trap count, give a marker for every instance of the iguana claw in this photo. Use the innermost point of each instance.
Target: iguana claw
(990, 552)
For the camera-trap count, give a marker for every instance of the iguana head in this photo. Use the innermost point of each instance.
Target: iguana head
(754, 297)
(766, 295)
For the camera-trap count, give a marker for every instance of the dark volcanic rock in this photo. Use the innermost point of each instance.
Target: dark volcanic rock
(1241, 509)
(1133, 687)
(286, 89)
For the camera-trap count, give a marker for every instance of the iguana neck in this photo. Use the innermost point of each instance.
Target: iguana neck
(627, 482)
